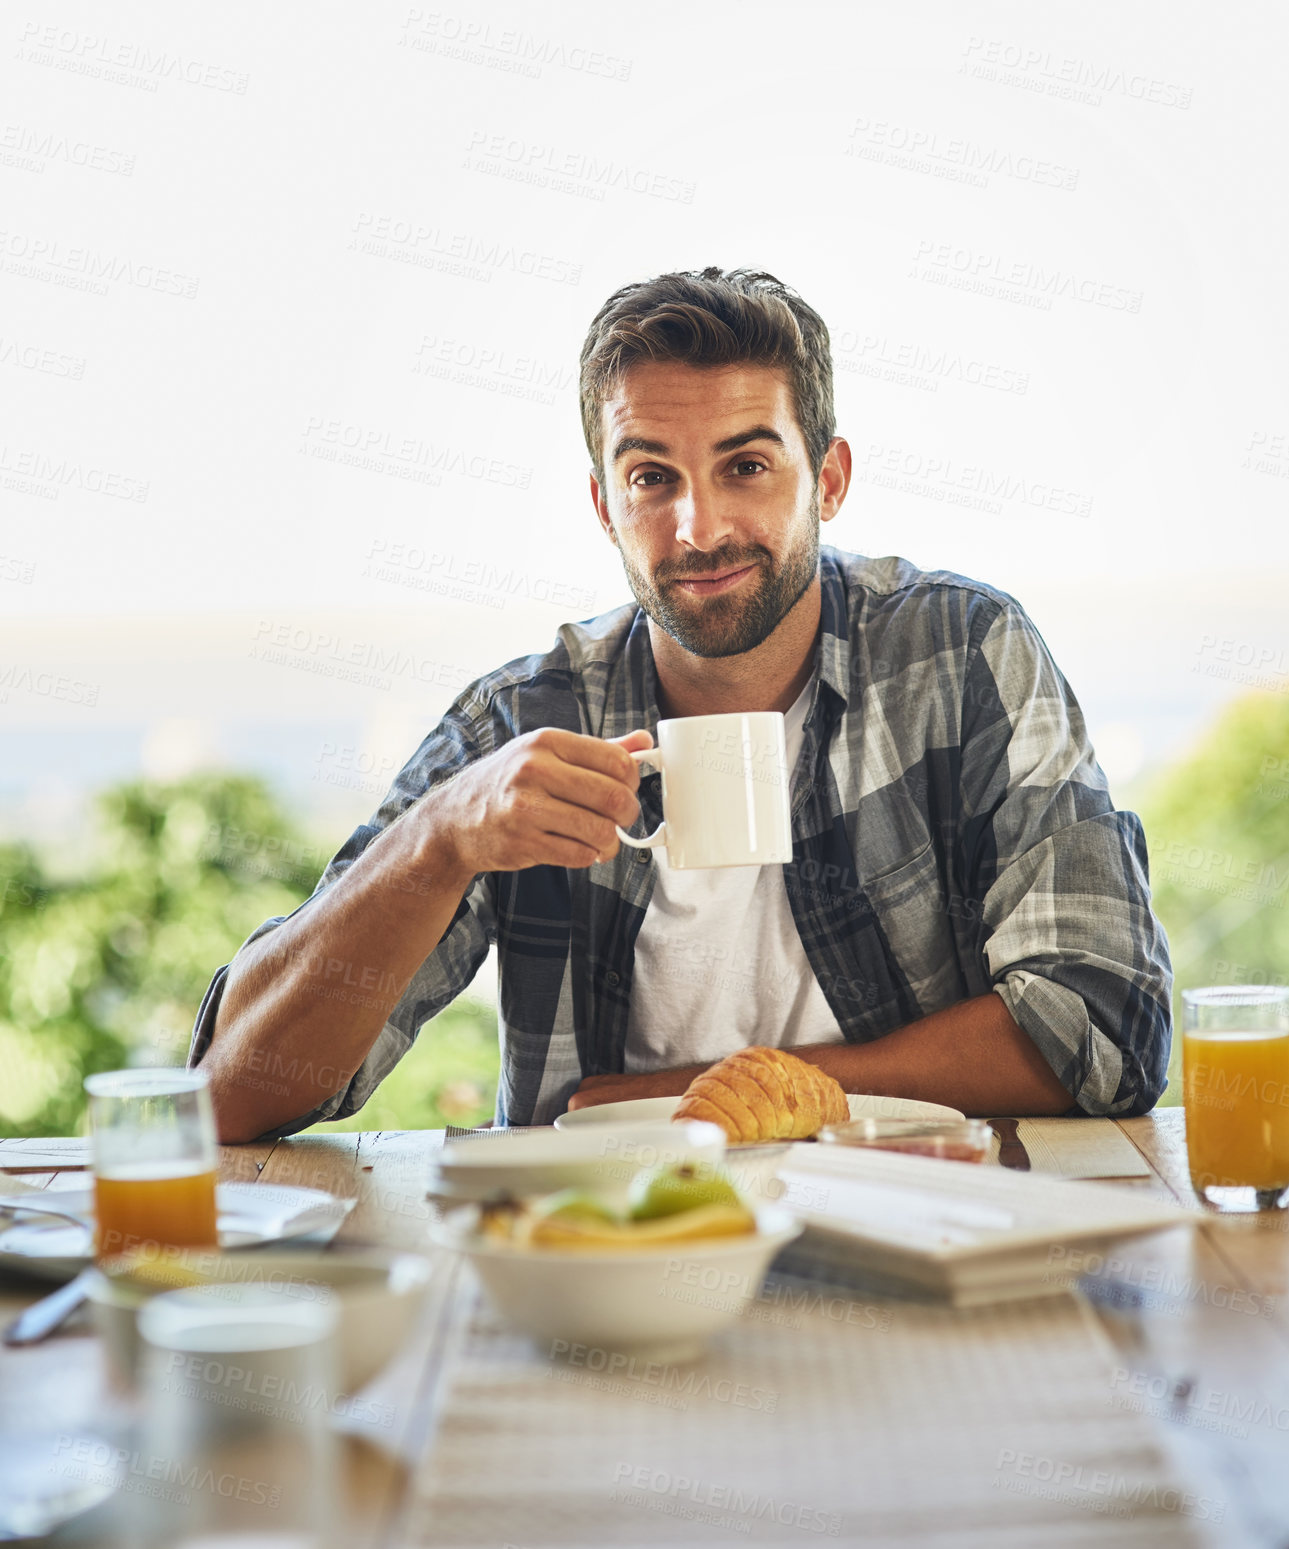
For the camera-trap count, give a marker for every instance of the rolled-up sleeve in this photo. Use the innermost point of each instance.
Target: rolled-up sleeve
(1069, 939)
(440, 978)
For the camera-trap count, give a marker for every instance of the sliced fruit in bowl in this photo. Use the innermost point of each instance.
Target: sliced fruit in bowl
(574, 1267)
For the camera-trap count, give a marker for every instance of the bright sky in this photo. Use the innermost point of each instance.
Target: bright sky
(293, 296)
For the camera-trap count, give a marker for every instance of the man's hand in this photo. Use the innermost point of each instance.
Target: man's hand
(620, 1089)
(549, 798)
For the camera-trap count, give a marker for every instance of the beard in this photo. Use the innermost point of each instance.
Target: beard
(729, 624)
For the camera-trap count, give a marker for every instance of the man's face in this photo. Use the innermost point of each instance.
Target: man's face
(708, 494)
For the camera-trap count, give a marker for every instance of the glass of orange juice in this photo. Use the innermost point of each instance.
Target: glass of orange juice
(154, 1160)
(1235, 1073)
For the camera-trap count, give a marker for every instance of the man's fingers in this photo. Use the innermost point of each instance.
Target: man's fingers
(609, 758)
(566, 852)
(566, 821)
(596, 792)
(633, 742)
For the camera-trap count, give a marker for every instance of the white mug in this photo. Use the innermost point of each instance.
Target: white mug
(724, 791)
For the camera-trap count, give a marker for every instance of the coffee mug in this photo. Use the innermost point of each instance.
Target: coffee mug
(724, 791)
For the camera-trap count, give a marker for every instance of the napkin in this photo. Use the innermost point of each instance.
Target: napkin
(46, 1154)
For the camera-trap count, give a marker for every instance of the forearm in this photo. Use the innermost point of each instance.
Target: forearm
(973, 1056)
(284, 1038)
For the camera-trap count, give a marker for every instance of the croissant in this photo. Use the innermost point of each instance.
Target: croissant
(764, 1094)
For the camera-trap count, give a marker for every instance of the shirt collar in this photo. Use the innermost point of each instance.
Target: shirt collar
(832, 658)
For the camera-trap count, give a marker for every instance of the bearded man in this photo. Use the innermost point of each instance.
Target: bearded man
(966, 917)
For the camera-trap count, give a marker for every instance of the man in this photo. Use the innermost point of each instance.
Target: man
(966, 918)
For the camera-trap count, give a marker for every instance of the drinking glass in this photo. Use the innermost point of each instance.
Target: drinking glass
(154, 1160)
(1235, 1062)
(234, 1443)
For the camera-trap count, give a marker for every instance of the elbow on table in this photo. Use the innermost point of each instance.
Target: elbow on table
(242, 1114)
(1142, 1083)
(235, 1120)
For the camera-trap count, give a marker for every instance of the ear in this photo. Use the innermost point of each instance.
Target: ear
(834, 478)
(602, 509)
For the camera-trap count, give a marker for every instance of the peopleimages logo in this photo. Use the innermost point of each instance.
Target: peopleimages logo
(49, 476)
(952, 157)
(751, 1505)
(942, 478)
(27, 356)
(86, 268)
(566, 171)
(20, 145)
(907, 363)
(128, 64)
(505, 48)
(1066, 76)
(1006, 279)
(455, 252)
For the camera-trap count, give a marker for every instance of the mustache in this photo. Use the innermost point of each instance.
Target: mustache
(708, 564)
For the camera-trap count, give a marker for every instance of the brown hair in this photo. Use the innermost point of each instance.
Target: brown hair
(711, 317)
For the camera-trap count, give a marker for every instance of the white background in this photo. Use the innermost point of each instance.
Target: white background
(193, 320)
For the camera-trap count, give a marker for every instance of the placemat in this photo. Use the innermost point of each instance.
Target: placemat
(814, 1417)
(1069, 1148)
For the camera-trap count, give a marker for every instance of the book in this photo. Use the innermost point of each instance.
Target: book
(969, 1234)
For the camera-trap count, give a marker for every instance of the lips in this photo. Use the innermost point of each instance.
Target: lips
(710, 585)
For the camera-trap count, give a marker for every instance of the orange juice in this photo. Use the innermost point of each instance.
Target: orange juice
(154, 1204)
(1236, 1092)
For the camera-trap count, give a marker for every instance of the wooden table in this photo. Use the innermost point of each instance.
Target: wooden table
(1199, 1325)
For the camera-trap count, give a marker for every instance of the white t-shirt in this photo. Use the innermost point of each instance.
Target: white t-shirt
(719, 964)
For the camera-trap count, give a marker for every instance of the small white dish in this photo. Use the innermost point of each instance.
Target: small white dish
(380, 1293)
(655, 1110)
(662, 1302)
(249, 1214)
(546, 1160)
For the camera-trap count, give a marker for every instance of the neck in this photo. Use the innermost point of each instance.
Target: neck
(769, 677)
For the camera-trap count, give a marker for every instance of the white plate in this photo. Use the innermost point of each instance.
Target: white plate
(249, 1214)
(543, 1160)
(658, 1109)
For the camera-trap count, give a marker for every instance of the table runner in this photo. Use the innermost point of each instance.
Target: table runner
(813, 1417)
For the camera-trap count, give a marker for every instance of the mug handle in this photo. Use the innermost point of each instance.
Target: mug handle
(659, 836)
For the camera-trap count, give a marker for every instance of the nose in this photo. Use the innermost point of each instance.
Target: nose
(701, 522)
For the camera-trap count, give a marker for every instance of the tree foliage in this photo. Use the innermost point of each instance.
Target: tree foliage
(1217, 825)
(107, 969)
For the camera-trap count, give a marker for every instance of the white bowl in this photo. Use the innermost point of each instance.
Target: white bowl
(663, 1301)
(380, 1294)
(543, 1161)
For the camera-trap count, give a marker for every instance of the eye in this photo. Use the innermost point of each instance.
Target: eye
(750, 462)
(648, 474)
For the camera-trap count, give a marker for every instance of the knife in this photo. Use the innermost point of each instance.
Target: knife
(1011, 1148)
(43, 1317)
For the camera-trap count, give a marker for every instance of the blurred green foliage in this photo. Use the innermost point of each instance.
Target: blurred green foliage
(107, 969)
(1217, 826)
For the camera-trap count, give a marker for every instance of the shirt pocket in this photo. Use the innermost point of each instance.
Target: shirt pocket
(911, 908)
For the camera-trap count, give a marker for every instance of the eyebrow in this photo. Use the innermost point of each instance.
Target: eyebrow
(729, 444)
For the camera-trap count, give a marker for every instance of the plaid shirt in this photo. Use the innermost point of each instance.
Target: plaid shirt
(952, 834)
